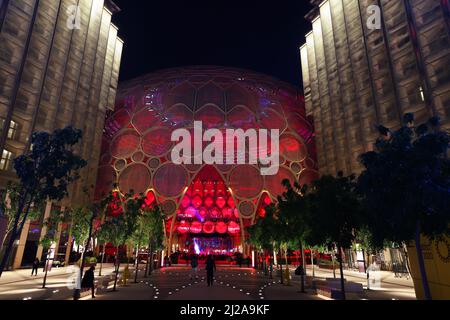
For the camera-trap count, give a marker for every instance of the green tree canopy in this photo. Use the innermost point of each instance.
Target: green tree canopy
(45, 173)
(406, 183)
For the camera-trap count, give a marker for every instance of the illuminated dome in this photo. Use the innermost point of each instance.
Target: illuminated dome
(203, 198)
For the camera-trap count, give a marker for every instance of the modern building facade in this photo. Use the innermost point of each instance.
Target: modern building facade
(207, 206)
(368, 62)
(59, 66)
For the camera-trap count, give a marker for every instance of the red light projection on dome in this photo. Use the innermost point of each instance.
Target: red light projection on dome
(196, 227)
(209, 204)
(233, 227)
(183, 227)
(208, 227)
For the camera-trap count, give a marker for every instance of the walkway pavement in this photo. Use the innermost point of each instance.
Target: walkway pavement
(383, 284)
(20, 285)
(175, 283)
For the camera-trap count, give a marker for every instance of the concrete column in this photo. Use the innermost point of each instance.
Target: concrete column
(21, 247)
(57, 238)
(69, 246)
(48, 209)
(58, 234)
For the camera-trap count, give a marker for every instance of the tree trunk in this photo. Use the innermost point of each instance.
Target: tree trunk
(423, 272)
(302, 290)
(137, 264)
(303, 260)
(281, 266)
(364, 260)
(103, 259)
(148, 261)
(117, 262)
(342, 273)
(332, 259)
(405, 250)
(83, 255)
(312, 263)
(150, 254)
(46, 271)
(288, 276)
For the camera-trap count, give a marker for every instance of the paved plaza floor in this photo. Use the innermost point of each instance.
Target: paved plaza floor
(177, 283)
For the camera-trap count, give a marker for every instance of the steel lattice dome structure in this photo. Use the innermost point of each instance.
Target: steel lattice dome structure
(203, 199)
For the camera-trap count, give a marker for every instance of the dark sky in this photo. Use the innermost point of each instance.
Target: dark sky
(260, 35)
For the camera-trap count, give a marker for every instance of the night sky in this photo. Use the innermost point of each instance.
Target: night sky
(257, 35)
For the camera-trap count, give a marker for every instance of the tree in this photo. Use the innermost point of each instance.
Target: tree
(335, 215)
(269, 232)
(118, 229)
(106, 206)
(406, 186)
(51, 236)
(293, 216)
(8, 208)
(45, 173)
(262, 233)
(79, 223)
(149, 230)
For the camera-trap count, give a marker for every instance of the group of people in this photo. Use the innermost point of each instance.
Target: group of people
(210, 267)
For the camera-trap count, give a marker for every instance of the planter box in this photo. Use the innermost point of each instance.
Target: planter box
(327, 266)
(335, 284)
(329, 292)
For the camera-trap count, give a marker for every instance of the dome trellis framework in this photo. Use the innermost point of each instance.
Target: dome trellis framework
(136, 144)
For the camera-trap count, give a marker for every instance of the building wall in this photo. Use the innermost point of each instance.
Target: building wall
(356, 77)
(54, 74)
(436, 256)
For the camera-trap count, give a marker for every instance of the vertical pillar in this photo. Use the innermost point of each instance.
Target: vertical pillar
(69, 246)
(58, 234)
(21, 246)
(57, 239)
(48, 209)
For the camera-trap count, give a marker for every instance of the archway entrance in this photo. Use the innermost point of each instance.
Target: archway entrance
(207, 221)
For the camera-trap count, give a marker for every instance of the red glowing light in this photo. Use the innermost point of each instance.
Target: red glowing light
(221, 227)
(208, 227)
(196, 227)
(233, 228)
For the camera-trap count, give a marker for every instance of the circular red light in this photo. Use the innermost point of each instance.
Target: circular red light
(233, 228)
(208, 227)
(221, 227)
(196, 227)
(183, 227)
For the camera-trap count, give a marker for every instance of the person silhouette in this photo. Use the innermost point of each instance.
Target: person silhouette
(210, 268)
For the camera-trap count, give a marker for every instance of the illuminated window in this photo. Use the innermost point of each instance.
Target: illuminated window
(12, 130)
(422, 95)
(6, 160)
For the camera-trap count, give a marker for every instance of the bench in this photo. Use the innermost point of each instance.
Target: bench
(329, 292)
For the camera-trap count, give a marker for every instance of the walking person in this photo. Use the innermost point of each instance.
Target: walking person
(194, 265)
(34, 270)
(210, 268)
(88, 281)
